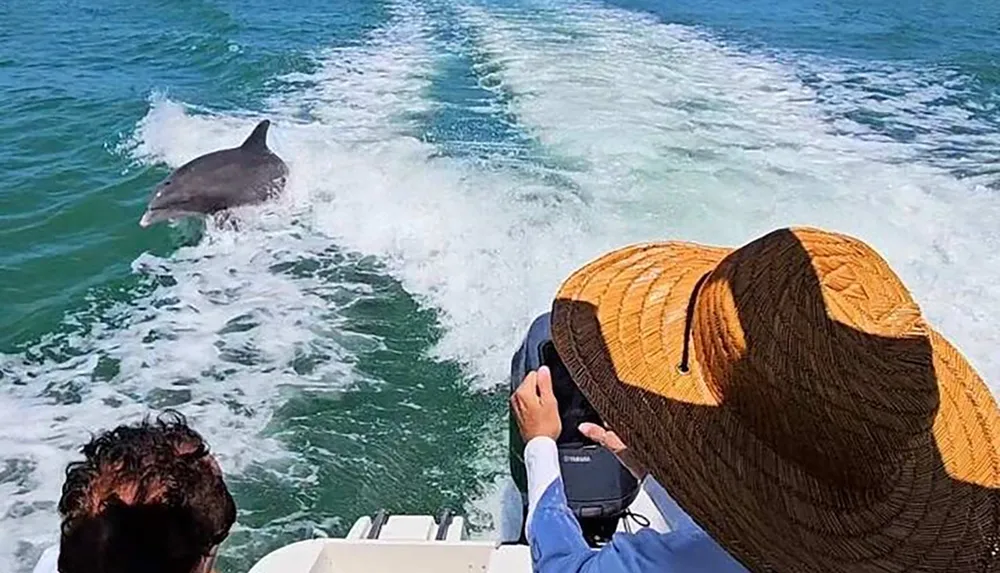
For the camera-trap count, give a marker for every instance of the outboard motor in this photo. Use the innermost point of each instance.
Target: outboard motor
(599, 488)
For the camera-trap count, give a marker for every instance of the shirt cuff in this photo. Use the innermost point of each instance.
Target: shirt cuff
(541, 459)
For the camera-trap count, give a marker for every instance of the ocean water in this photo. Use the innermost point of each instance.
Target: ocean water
(451, 161)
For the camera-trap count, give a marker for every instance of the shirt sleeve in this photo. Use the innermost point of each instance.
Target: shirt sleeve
(553, 533)
(558, 546)
(677, 519)
(555, 537)
(541, 460)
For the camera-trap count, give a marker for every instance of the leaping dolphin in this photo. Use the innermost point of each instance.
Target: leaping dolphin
(209, 184)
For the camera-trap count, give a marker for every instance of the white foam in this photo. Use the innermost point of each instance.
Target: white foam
(695, 140)
(221, 331)
(177, 344)
(485, 247)
(681, 137)
(942, 114)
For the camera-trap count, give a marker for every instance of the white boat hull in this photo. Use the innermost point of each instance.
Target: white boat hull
(417, 544)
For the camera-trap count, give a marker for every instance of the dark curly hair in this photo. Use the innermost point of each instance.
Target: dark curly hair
(147, 497)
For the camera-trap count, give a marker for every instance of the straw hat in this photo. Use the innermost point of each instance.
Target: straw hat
(793, 400)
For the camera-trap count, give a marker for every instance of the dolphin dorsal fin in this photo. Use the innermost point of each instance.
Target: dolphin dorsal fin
(258, 138)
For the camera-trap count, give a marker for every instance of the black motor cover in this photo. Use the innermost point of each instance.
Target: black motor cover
(598, 488)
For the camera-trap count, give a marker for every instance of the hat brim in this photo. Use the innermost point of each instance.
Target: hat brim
(619, 324)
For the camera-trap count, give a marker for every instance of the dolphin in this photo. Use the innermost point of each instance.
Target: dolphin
(246, 175)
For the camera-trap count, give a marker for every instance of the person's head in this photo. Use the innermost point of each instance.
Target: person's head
(147, 498)
(793, 399)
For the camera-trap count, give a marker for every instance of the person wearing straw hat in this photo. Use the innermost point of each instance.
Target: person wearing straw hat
(789, 396)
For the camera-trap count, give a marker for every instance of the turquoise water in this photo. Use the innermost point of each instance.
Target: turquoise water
(451, 162)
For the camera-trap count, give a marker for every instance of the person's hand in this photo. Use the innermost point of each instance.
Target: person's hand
(535, 407)
(613, 443)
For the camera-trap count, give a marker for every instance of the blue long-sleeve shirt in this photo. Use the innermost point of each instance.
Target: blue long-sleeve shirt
(557, 543)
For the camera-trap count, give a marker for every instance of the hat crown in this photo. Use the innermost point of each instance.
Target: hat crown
(819, 349)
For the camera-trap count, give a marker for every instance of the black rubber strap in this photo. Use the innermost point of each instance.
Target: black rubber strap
(444, 521)
(377, 522)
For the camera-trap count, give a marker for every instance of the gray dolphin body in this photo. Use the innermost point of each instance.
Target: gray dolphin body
(246, 175)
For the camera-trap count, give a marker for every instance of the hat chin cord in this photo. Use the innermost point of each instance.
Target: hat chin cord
(685, 367)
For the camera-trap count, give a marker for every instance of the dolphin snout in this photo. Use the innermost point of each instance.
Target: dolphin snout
(154, 215)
